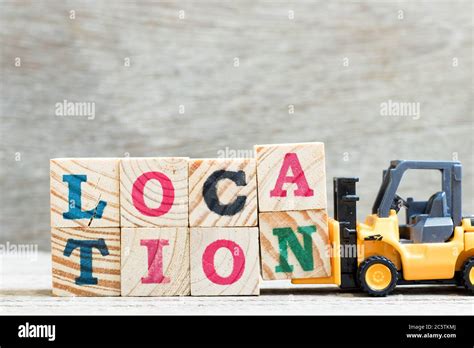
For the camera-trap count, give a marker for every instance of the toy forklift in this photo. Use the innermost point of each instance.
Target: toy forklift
(434, 246)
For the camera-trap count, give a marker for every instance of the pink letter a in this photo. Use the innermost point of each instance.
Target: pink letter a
(291, 161)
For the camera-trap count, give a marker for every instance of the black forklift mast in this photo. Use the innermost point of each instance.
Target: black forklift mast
(345, 212)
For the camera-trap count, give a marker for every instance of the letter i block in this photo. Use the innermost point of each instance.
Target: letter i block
(155, 261)
(154, 192)
(85, 192)
(222, 192)
(224, 261)
(291, 177)
(294, 244)
(86, 261)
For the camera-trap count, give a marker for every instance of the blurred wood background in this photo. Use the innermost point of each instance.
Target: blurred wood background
(208, 76)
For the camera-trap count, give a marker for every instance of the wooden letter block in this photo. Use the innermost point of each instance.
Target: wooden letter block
(224, 261)
(294, 244)
(85, 261)
(155, 261)
(222, 192)
(291, 177)
(154, 192)
(85, 192)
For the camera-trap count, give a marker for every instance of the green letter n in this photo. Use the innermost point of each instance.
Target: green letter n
(304, 255)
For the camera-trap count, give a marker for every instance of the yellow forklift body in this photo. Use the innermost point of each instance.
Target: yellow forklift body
(468, 244)
(418, 261)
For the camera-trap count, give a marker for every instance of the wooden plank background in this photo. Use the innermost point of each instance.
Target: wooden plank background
(225, 77)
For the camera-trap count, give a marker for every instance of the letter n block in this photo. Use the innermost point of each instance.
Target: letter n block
(291, 177)
(154, 192)
(222, 192)
(84, 192)
(85, 261)
(155, 261)
(294, 244)
(224, 261)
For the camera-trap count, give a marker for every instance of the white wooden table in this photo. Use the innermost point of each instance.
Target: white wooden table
(25, 288)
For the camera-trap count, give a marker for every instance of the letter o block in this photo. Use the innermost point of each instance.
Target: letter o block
(222, 192)
(291, 177)
(224, 261)
(154, 192)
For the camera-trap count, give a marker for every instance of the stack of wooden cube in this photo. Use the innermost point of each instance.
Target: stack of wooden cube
(292, 211)
(178, 226)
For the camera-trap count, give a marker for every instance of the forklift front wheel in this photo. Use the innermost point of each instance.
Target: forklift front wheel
(468, 275)
(378, 276)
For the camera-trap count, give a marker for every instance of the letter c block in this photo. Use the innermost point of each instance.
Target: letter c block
(222, 192)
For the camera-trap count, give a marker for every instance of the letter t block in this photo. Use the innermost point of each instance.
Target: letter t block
(85, 261)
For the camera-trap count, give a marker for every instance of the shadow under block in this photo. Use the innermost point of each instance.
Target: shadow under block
(222, 192)
(86, 261)
(295, 244)
(155, 262)
(154, 192)
(84, 192)
(224, 261)
(291, 177)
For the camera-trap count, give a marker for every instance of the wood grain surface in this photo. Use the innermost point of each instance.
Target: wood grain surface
(25, 288)
(229, 75)
(309, 181)
(100, 186)
(223, 262)
(270, 250)
(175, 262)
(66, 269)
(200, 214)
(175, 170)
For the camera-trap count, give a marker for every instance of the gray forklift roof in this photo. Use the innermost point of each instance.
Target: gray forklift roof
(451, 172)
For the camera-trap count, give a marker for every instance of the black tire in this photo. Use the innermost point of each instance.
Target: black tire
(467, 277)
(364, 267)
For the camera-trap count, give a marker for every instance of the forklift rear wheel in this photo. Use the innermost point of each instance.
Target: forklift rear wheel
(468, 275)
(378, 276)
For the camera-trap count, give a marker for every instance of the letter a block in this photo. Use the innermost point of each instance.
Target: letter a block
(224, 261)
(84, 192)
(85, 261)
(155, 261)
(291, 177)
(154, 192)
(222, 192)
(294, 244)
